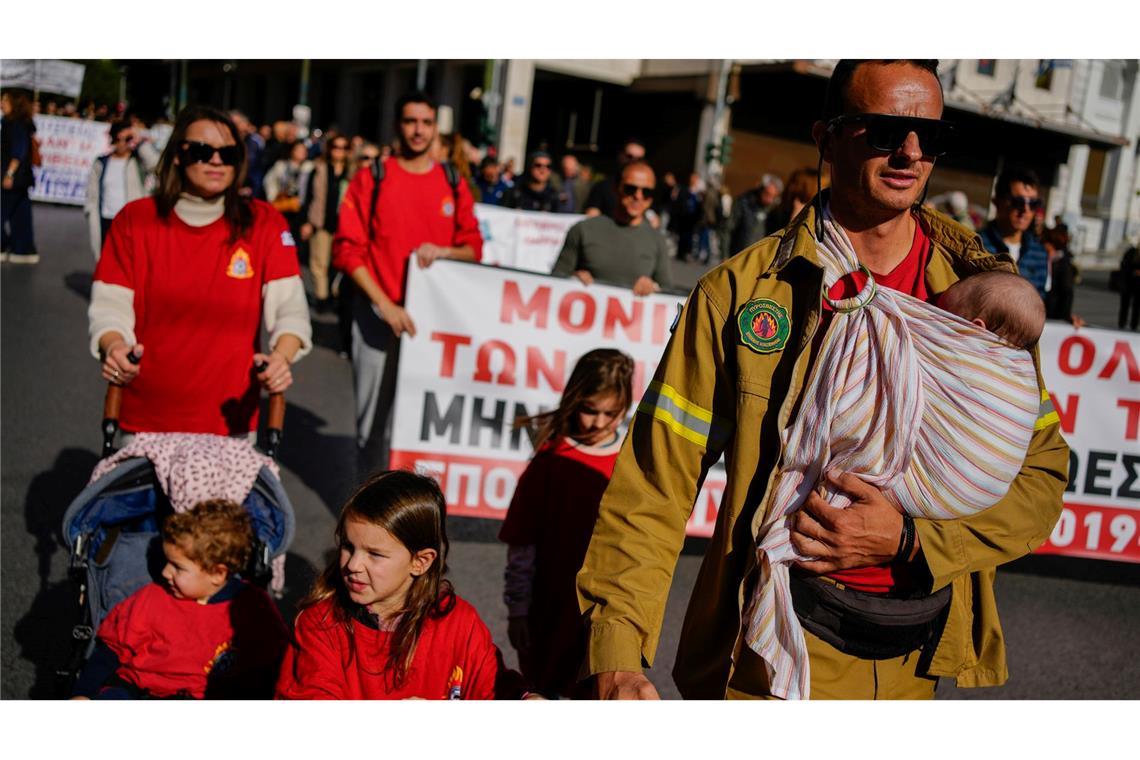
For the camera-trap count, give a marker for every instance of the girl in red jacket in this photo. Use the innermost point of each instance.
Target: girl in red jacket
(381, 622)
(552, 515)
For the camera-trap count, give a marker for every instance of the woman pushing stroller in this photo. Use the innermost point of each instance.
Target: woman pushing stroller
(190, 275)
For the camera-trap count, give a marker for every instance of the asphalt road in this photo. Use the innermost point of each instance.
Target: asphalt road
(1072, 626)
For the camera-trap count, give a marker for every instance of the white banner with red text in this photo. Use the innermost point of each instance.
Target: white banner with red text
(68, 147)
(529, 240)
(1093, 377)
(492, 345)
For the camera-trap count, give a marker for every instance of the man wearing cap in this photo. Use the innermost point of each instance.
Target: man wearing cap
(623, 249)
(534, 193)
(729, 384)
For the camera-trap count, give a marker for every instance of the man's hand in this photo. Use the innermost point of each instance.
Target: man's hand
(397, 318)
(625, 685)
(8, 182)
(307, 230)
(864, 534)
(429, 252)
(1078, 323)
(276, 376)
(585, 277)
(518, 633)
(117, 367)
(644, 285)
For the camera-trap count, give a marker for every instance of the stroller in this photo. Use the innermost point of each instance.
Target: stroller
(112, 529)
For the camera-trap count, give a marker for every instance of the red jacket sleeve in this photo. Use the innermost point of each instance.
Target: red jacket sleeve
(350, 244)
(313, 668)
(467, 226)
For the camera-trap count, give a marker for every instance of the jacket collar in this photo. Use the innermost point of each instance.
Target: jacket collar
(951, 241)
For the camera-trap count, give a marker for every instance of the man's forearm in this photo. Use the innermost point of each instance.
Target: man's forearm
(368, 284)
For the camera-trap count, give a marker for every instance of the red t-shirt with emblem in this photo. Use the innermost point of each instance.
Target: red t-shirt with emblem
(908, 277)
(412, 209)
(198, 312)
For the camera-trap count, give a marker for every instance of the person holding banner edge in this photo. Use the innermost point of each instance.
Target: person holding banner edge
(722, 389)
(403, 208)
(623, 248)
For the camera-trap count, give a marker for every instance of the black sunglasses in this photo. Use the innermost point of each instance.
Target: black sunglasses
(1023, 203)
(889, 133)
(631, 190)
(203, 153)
(541, 166)
(340, 147)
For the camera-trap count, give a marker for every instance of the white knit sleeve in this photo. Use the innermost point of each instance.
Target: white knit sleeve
(286, 311)
(112, 309)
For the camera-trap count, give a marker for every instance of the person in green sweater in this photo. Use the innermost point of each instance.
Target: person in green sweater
(623, 250)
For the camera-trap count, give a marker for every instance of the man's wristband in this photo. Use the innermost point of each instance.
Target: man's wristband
(906, 540)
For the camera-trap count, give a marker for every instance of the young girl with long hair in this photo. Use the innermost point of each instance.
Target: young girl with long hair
(552, 515)
(381, 622)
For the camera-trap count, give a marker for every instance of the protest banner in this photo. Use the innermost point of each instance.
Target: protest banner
(504, 350)
(529, 240)
(56, 77)
(68, 147)
(1093, 377)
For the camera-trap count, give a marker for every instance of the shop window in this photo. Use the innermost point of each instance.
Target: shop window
(987, 66)
(1112, 80)
(1044, 80)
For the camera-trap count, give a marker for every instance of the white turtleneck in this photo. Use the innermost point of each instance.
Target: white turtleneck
(198, 212)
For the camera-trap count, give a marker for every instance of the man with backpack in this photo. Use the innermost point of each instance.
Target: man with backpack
(402, 208)
(116, 179)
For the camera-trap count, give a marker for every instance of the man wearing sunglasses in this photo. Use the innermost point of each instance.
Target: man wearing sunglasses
(535, 193)
(1011, 231)
(604, 197)
(730, 382)
(623, 249)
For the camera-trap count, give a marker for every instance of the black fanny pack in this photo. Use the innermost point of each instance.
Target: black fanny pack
(868, 626)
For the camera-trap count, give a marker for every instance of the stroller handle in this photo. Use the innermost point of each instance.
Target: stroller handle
(113, 402)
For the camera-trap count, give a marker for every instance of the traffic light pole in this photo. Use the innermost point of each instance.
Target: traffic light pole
(719, 144)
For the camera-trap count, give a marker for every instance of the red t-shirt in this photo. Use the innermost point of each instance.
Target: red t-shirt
(166, 645)
(198, 303)
(554, 508)
(412, 209)
(455, 658)
(908, 277)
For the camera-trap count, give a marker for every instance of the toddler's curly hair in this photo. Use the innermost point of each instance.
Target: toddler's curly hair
(214, 532)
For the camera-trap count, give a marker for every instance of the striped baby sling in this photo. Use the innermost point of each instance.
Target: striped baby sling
(930, 408)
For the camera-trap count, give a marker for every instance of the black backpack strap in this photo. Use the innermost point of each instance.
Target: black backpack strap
(452, 175)
(377, 168)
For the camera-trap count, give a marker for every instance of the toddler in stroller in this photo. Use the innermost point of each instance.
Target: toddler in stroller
(202, 633)
(113, 526)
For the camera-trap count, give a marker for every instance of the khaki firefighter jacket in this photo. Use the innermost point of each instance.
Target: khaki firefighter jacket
(713, 394)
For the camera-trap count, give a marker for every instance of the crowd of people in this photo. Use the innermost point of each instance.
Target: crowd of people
(244, 207)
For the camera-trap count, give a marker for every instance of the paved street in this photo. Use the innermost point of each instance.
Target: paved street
(1072, 626)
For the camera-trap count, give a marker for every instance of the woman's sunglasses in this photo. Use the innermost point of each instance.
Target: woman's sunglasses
(203, 153)
(889, 133)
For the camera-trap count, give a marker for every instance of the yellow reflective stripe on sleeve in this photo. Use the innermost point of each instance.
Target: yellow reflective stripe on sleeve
(686, 419)
(1048, 414)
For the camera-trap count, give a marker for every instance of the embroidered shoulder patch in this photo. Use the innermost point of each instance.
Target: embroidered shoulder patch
(240, 267)
(764, 326)
(287, 239)
(455, 684)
